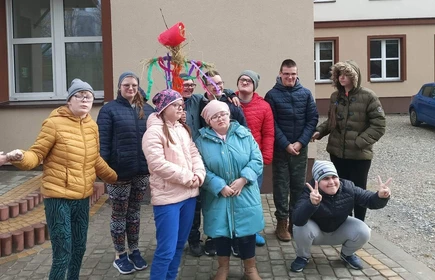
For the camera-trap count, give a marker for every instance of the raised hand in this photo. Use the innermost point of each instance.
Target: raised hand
(315, 196)
(235, 100)
(227, 191)
(15, 155)
(383, 190)
(183, 117)
(3, 158)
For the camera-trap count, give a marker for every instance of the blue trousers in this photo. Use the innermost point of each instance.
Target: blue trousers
(173, 224)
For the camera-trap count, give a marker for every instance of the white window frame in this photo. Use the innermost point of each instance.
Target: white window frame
(57, 41)
(317, 60)
(384, 60)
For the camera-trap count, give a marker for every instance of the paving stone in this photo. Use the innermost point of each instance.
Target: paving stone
(342, 272)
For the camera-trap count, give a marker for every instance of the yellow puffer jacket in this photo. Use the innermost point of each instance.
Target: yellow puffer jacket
(69, 148)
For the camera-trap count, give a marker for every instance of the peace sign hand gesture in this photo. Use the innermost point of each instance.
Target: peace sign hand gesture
(315, 196)
(384, 191)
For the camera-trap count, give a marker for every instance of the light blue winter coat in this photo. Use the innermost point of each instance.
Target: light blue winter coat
(225, 161)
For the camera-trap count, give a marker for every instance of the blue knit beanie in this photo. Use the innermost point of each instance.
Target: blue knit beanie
(322, 169)
(78, 85)
(125, 75)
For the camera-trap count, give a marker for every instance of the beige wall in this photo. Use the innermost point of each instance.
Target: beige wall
(419, 52)
(234, 35)
(20, 127)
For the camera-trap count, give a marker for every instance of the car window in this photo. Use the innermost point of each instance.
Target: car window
(427, 91)
(433, 92)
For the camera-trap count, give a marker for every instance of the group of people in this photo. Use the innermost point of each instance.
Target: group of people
(206, 153)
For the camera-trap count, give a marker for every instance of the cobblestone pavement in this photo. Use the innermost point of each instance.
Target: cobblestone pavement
(382, 259)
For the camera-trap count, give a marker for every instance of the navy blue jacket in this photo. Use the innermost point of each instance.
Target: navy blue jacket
(236, 113)
(333, 210)
(121, 133)
(295, 114)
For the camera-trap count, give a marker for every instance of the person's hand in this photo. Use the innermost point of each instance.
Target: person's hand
(237, 186)
(384, 191)
(315, 136)
(3, 158)
(183, 117)
(297, 146)
(315, 196)
(227, 191)
(195, 182)
(235, 100)
(15, 155)
(291, 150)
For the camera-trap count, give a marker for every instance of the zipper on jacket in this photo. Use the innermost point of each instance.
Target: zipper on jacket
(139, 141)
(232, 175)
(86, 155)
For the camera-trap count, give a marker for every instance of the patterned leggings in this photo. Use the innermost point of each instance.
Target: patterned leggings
(67, 221)
(126, 199)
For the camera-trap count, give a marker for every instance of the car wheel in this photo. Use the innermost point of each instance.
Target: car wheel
(413, 118)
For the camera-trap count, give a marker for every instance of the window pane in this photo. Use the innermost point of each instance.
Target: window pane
(325, 68)
(82, 18)
(392, 48)
(31, 19)
(33, 68)
(427, 91)
(375, 49)
(85, 61)
(392, 68)
(326, 51)
(375, 69)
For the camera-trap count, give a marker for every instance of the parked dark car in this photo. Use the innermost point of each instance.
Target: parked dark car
(422, 107)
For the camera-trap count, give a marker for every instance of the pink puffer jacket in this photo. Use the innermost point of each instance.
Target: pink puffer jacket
(172, 168)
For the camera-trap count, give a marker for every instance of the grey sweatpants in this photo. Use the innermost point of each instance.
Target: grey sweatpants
(352, 235)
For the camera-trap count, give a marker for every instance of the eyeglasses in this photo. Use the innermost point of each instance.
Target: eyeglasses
(221, 83)
(189, 85)
(178, 106)
(127, 86)
(222, 115)
(243, 80)
(89, 98)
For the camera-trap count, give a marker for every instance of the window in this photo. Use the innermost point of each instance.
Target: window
(325, 55)
(51, 42)
(386, 58)
(429, 91)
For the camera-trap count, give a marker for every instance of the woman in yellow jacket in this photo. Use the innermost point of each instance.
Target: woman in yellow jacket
(68, 145)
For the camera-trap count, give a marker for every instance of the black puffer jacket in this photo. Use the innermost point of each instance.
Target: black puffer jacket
(333, 210)
(121, 133)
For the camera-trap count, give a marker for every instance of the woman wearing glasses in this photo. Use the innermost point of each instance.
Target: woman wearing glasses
(177, 172)
(68, 146)
(122, 123)
(231, 203)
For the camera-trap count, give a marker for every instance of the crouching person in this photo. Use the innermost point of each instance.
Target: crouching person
(321, 215)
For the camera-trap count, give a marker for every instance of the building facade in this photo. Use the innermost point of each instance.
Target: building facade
(391, 40)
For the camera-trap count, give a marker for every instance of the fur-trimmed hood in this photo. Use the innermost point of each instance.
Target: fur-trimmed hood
(351, 69)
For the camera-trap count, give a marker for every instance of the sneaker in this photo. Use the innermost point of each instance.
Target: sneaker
(210, 247)
(259, 240)
(123, 265)
(299, 264)
(235, 249)
(353, 261)
(196, 249)
(136, 259)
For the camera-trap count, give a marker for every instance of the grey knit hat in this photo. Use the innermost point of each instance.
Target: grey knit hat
(323, 168)
(255, 77)
(125, 75)
(78, 85)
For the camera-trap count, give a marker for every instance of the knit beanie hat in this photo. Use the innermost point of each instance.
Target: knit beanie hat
(125, 75)
(323, 168)
(165, 98)
(255, 77)
(78, 85)
(212, 108)
(186, 77)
